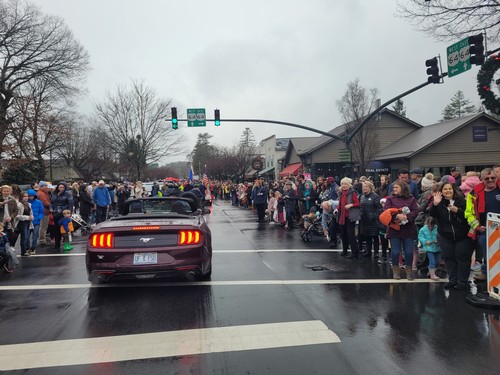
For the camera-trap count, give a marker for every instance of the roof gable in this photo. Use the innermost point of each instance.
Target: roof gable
(422, 138)
(339, 131)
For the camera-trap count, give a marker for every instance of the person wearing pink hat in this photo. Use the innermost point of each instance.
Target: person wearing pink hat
(448, 179)
(470, 182)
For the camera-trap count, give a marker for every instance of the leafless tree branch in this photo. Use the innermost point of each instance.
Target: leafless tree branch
(450, 20)
(34, 46)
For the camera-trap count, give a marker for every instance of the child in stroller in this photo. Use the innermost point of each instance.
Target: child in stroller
(312, 225)
(79, 223)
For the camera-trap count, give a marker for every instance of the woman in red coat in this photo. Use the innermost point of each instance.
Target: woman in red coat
(347, 215)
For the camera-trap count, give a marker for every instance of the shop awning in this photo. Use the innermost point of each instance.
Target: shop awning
(266, 170)
(250, 174)
(291, 169)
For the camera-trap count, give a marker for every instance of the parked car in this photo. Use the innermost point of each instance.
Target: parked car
(157, 237)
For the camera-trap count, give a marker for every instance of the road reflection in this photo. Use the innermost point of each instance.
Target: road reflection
(147, 309)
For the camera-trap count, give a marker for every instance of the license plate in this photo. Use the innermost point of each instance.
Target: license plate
(145, 258)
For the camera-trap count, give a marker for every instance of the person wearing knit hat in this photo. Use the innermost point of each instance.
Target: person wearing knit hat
(470, 183)
(427, 181)
(448, 178)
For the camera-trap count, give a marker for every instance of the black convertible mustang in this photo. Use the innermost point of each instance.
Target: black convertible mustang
(157, 237)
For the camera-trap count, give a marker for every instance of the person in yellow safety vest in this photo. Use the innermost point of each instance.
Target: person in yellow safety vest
(484, 198)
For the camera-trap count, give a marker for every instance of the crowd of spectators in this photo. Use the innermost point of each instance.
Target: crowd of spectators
(33, 218)
(378, 219)
(450, 212)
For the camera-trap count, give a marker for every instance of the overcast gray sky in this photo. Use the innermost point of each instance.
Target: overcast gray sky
(285, 60)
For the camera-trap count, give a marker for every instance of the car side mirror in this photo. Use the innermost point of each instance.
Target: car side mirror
(206, 211)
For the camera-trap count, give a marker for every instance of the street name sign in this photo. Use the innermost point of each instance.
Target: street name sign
(196, 117)
(458, 57)
(345, 155)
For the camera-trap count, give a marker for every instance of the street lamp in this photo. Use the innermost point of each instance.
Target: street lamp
(138, 156)
(50, 165)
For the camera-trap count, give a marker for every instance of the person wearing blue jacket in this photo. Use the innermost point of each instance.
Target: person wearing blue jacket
(427, 237)
(37, 211)
(259, 199)
(102, 201)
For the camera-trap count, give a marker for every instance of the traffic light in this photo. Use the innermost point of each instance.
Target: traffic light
(217, 117)
(433, 70)
(476, 49)
(175, 124)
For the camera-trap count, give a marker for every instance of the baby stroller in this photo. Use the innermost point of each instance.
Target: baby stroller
(312, 227)
(79, 223)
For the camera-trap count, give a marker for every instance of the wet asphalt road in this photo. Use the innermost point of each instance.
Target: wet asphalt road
(383, 327)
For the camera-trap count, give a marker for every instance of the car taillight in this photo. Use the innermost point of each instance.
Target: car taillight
(102, 240)
(189, 237)
(156, 227)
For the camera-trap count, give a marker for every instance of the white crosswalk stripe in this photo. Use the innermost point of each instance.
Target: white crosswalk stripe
(164, 344)
(220, 283)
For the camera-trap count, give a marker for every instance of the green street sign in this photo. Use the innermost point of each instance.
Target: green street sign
(345, 155)
(196, 117)
(458, 57)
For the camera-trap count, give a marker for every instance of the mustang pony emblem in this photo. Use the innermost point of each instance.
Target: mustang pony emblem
(146, 239)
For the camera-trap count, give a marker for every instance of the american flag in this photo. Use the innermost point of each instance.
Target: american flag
(205, 179)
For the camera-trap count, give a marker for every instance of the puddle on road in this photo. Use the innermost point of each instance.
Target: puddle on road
(325, 267)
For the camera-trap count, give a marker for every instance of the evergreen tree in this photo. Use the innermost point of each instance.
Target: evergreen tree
(202, 153)
(458, 107)
(21, 172)
(399, 107)
(247, 139)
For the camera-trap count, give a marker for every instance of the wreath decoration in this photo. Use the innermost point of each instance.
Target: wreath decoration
(484, 80)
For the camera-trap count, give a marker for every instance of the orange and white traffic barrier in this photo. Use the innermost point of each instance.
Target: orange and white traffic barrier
(493, 245)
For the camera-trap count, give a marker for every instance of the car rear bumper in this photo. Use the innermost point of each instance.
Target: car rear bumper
(97, 276)
(103, 266)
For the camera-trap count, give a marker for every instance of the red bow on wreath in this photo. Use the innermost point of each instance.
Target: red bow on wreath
(484, 79)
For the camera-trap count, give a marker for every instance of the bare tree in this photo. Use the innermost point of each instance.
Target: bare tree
(237, 161)
(42, 118)
(452, 19)
(79, 147)
(34, 45)
(354, 106)
(133, 123)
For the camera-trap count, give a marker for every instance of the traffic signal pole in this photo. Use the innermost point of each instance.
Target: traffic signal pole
(277, 123)
(348, 138)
